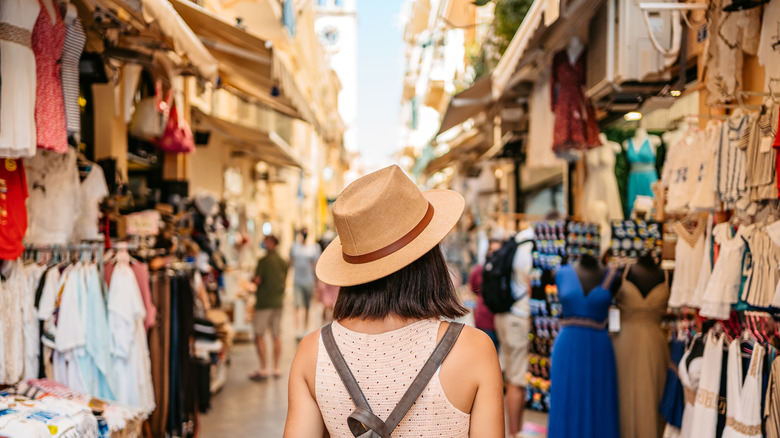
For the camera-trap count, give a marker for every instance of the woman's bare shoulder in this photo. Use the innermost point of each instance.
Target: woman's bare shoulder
(474, 345)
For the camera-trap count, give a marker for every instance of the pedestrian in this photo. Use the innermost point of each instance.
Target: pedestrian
(512, 329)
(389, 339)
(326, 293)
(270, 278)
(303, 258)
(483, 317)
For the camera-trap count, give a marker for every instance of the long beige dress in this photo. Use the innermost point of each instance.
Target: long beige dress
(642, 357)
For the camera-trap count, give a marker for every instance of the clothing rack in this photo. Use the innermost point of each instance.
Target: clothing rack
(86, 246)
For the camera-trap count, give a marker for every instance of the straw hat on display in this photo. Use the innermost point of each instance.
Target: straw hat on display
(385, 223)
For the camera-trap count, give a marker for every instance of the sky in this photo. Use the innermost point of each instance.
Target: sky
(380, 76)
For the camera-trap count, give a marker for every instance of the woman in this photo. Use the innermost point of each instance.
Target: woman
(395, 289)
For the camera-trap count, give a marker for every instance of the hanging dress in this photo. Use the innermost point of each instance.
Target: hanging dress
(725, 284)
(643, 173)
(673, 401)
(706, 266)
(601, 184)
(17, 69)
(47, 43)
(575, 121)
(540, 132)
(689, 253)
(704, 195)
(642, 357)
(743, 408)
(705, 411)
(583, 396)
(75, 38)
(690, 374)
(772, 409)
(763, 275)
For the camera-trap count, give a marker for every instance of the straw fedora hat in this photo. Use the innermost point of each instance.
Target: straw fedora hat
(384, 224)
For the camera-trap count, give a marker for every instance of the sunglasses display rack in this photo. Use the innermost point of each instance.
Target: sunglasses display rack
(557, 243)
(632, 239)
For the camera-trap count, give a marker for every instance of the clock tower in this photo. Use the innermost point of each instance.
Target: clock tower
(336, 27)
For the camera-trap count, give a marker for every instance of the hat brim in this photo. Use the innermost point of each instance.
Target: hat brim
(332, 269)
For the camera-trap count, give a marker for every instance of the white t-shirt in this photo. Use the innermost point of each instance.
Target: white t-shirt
(521, 265)
(768, 53)
(55, 197)
(93, 190)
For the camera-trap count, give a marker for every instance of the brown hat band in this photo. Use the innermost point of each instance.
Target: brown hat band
(395, 246)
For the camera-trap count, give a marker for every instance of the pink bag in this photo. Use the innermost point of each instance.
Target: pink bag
(177, 136)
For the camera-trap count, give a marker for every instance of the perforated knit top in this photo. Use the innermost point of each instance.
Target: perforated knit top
(384, 366)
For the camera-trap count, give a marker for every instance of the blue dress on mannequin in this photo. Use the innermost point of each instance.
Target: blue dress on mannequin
(583, 392)
(643, 173)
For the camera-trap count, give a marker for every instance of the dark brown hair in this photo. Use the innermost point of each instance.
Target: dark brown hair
(421, 290)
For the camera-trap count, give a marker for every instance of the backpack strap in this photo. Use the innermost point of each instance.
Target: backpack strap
(425, 375)
(362, 421)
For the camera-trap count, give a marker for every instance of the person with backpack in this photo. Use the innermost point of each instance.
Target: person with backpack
(506, 291)
(389, 365)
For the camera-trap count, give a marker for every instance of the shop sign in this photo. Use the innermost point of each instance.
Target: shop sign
(145, 223)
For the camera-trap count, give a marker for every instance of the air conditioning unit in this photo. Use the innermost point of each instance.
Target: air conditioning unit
(620, 48)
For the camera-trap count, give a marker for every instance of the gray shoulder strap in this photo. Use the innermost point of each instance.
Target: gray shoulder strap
(362, 422)
(425, 375)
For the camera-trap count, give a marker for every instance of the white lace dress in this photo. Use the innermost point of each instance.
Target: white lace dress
(690, 373)
(17, 69)
(601, 184)
(705, 410)
(689, 254)
(743, 406)
(12, 324)
(724, 286)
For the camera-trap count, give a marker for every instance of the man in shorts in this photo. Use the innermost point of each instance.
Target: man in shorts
(512, 330)
(270, 277)
(303, 258)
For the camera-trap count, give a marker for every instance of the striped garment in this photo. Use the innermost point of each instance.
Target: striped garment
(732, 179)
(75, 37)
(772, 409)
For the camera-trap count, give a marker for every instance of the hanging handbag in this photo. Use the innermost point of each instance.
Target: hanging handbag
(177, 137)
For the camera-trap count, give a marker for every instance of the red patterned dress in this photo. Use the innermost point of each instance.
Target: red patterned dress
(47, 43)
(575, 120)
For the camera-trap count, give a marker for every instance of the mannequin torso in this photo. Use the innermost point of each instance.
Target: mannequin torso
(639, 139)
(646, 275)
(592, 273)
(575, 49)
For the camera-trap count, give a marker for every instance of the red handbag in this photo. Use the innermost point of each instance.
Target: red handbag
(177, 137)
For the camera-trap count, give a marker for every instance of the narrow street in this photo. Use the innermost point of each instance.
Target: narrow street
(244, 408)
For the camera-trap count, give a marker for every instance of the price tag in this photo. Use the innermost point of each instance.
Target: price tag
(766, 144)
(145, 223)
(614, 319)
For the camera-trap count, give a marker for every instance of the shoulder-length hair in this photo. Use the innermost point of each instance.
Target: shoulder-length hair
(421, 290)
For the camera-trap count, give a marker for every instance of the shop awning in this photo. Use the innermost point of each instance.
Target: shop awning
(268, 147)
(466, 147)
(184, 39)
(546, 29)
(246, 63)
(507, 65)
(468, 103)
(153, 25)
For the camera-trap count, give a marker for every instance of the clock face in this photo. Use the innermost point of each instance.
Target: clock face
(329, 37)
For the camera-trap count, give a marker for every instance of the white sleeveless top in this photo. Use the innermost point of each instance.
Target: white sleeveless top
(689, 373)
(743, 409)
(384, 366)
(705, 410)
